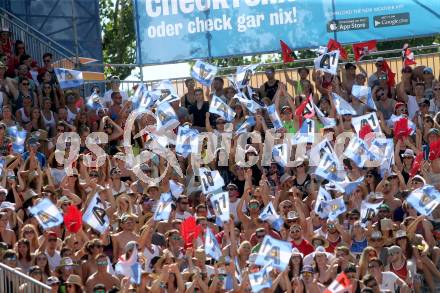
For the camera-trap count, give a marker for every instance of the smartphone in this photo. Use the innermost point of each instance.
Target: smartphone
(425, 149)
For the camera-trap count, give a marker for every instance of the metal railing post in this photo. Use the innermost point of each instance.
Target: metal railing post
(11, 280)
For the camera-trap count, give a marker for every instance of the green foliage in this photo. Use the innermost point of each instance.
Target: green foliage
(119, 41)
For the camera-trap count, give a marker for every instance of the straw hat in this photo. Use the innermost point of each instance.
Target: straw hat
(29, 194)
(10, 159)
(325, 242)
(75, 280)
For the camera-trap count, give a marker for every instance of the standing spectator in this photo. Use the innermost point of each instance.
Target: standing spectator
(270, 87)
(115, 84)
(198, 110)
(6, 42)
(189, 99)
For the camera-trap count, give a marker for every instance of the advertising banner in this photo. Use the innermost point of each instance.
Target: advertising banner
(177, 30)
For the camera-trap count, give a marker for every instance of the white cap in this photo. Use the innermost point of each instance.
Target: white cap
(408, 153)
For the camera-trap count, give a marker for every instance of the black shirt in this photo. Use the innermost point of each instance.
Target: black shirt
(199, 115)
(270, 90)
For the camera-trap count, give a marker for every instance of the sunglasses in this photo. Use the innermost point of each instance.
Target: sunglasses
(25, 83)
(102, 263)
(184, 202)
(354, 218)
(307, 274)
(221, 122)
(93, 175)
(297, 230)
(260, 236)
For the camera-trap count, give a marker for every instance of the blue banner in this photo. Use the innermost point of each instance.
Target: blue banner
(218, 28)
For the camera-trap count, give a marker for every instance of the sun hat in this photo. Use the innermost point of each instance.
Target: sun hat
(75, 280)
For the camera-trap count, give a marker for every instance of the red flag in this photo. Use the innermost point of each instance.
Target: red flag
(362, 49)
(434, 150)
(73, 219)
(189, 230)
(287, 53)
(341, 284)
(391, 80)
(407, 56)
(366, 129)
(305, 109)
(335, 45)
(401, 128)
(416, 165)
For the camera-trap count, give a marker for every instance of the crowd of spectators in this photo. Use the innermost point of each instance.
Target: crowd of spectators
(397, 250)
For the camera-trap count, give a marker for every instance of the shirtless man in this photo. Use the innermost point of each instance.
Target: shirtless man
(122, 238)
(101, 276)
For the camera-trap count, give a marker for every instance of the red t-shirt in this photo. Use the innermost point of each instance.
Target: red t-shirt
(332, 245)
(402, 272)
(304, 247)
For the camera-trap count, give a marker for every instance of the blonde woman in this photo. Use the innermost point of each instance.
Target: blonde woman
(368, 253)
(30, 233)
(123, 206)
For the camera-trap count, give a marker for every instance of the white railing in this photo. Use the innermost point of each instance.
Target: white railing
(11, 280)
(35, 42)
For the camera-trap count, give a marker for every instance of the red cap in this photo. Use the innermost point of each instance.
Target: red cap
(398, 104)
(52, 235)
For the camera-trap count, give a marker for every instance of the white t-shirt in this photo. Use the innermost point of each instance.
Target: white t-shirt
(388, 281)
(108, 96)
(413, 106)
(149, 256)
(54, 260)
(433, 106)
